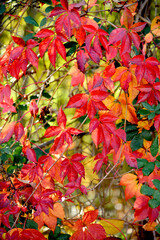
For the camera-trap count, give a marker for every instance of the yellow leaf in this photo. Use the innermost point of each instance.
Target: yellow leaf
(89, 208)
(155, 26)
(90, 177)
(112, 226)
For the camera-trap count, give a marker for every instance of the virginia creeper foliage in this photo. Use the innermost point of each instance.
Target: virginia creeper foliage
(71, 79)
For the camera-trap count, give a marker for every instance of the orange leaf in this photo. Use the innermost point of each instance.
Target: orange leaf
(133, 7)
(148, 38)
(132, 187)
(51, 219)
(150, 226)
(128, 113)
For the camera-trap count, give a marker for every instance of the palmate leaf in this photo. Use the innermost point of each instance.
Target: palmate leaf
(19, 233)
(63, 134)
(50, 219)
(143, 210)
(132, 186)
(86, 230)
(72, 167)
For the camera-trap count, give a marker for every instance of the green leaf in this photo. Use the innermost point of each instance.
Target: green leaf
(49, 9)
(157, 107)
(154, 147)
(97, 19)
(70, 44)
(63, 237)
(158, 157)
(148, 191)
(131, 135)
(59, 221)
(31, 224)
(153, 203)
(33, 97)
(55, 234)
(2, 8)
(146, 135)
(130, 128)
(143, 111)
(157, 164)
(156, 195)
(11, 219)
(11, 169)
(158, 228)
(43, 22)
(47, 2)
(71, 51)
(148, 168)
(151, 116)
(31, 21)
(131, 131)
(137, 142)
(136, 51)
(17, 150)
(156, 183)
(46, 94)
(148, 106)
(28, 36)
(141, 162)
(157, 112)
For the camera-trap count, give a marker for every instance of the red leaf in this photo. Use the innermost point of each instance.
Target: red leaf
(18, 131)
(138, 27)
(32, 43)
(19, 41)
(94, 55)
(157, 122)
(33, 108)
(136, 39)
(31, 155)
(16, 53)
(97, 231)
(61, 118)
(79, 168)
(71, 168)
(52, 131)
(77, 101)
(56, 11)
(127, 18)
(82, 58)
(32, 234)
(116, 35)
(7, 132)
(131, 159)
(80, 35)
(86, 230)
(137, 59)
(43, 33)
(90, 216)
(32, 57)
(64, 4)
(44, 45)
(52, 53)
(60, 48)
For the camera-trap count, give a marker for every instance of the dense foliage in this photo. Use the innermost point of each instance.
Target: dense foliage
(80, 105)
